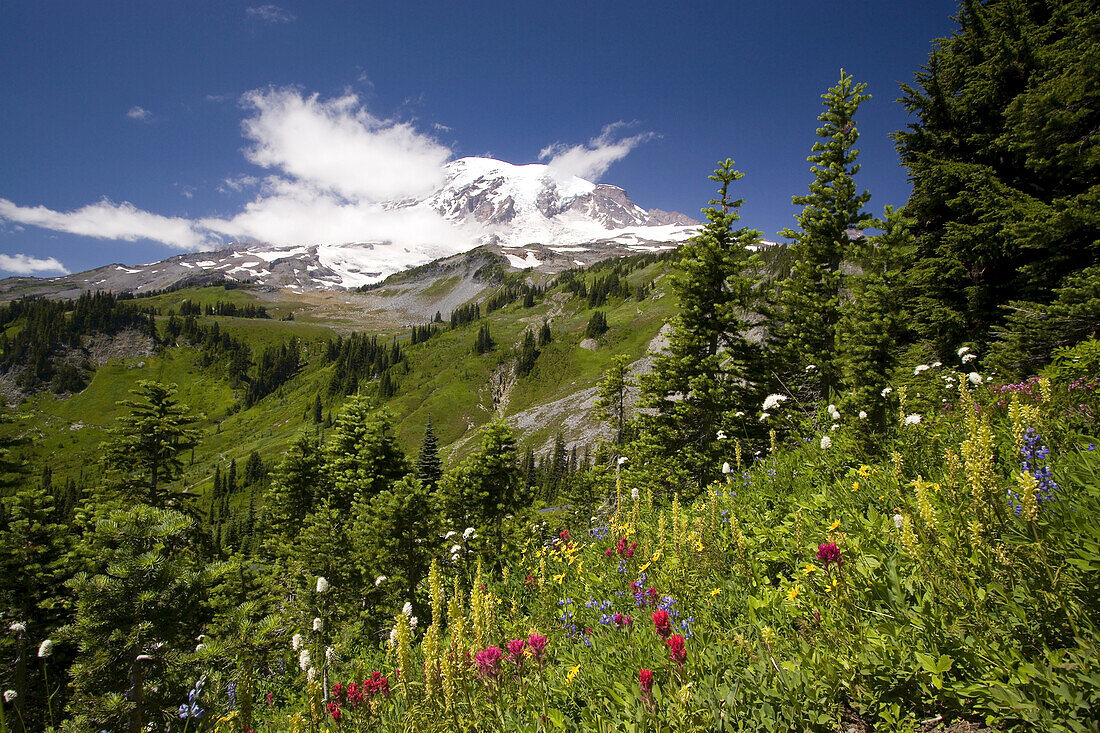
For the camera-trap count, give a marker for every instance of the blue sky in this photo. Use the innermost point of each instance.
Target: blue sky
(134, 130)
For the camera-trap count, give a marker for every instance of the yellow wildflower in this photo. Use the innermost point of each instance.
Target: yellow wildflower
(855, 486)
(834, 525)
(685, 692)
(559, 578)
(573, 674)
(793, 592)
(865, 471)
(716, 591)
(810, 568)
(642, 569)
(830, 587)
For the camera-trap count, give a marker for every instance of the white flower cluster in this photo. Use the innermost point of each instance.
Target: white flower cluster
(920, 368)
(833, 412)
(772, 401)
(304, 660)
(17, 627)
(826, 442)
(296, 642)
(468, 533)
(317, 624)
(634, 494)
(322, 585)
(45, 649)
(862, 415)
(974, 378)
(726, 467)
(913, 419)
(379, 580)
(967, 358)
(886, 391)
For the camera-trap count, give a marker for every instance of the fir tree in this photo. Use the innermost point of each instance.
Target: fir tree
(611, 395)
(134, 612)
(429, 467)
(597, 325)
(487, 486)
(396, 533)
(296, 485)
(803, 332)
(875, 323)
(528, 354)
(706, 375)
(544, 333)
(317, 414)
(362, 456)
(1004, 160)
(149, 439)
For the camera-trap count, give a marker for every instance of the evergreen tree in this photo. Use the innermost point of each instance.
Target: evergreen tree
(296, 484)
(317, 415)
(231, 477)
(254, 470)
(803, 330)
(484, 342)
(528, 354)
(149, 439)
(1034, 333)
(1004, 160)
(874, 323)
(362, 456)
(34, 561)
(487, 486)
(611, 397)
(597, 325)
(396, 534)
(135, 612)
(706, 374)
(544, 333)
(429, 467)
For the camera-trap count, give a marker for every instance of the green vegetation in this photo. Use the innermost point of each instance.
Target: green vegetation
(858, 486)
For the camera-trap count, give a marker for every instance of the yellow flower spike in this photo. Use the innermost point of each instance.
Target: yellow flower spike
(834, 525)
(809, 569)
(793, 592)
(685, 692)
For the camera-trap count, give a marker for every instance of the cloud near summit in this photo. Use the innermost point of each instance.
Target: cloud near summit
(591, 161)
(330, 165)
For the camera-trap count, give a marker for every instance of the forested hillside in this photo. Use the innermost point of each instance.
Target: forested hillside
(848, 483)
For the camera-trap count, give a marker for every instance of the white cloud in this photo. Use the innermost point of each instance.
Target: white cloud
(271, 14)
(139, 113)
(26, 265)
(107, 220)
(338, 146)
(591, 161)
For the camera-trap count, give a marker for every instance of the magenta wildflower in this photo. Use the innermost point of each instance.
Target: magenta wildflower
(536, 642)
(515, 651)
(829, 553)
(488, 661)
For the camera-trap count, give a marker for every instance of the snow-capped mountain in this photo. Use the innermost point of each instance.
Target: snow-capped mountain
(533, 215)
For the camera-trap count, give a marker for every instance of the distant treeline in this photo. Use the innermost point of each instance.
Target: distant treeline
(360, 358)
(34, 330)
(223, 308)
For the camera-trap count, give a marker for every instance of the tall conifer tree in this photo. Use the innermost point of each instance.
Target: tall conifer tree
(704, 378)
(803, 327)
(429, 468)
